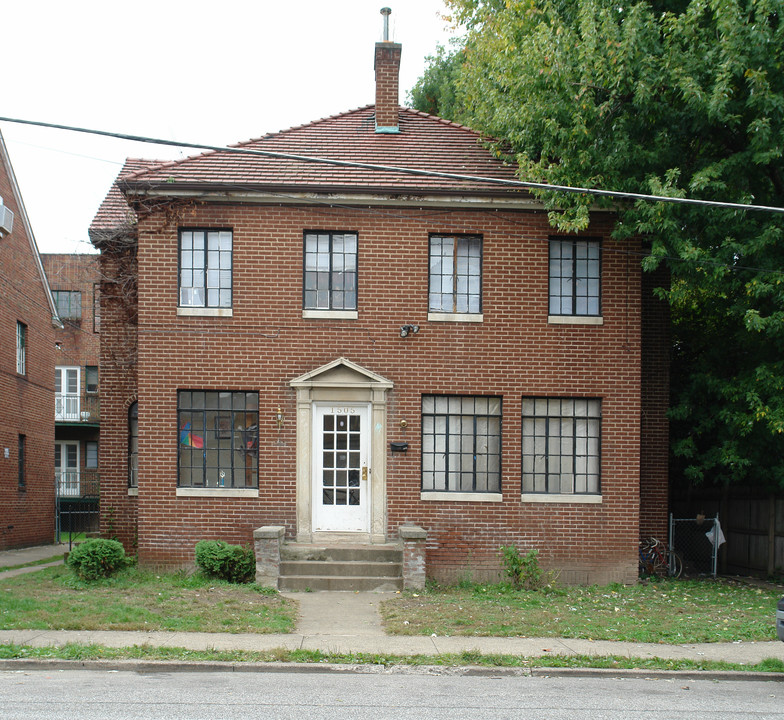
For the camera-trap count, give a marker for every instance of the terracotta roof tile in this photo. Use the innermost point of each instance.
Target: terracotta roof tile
(114, 210)
(424, 142)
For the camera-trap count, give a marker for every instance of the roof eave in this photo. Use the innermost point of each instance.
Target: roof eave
(288, 195)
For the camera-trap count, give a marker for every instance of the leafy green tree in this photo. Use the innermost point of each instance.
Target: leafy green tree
(674, 98)
(436, 91)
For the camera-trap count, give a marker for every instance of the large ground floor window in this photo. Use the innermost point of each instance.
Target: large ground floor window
(561, 444)
(461, 444)
(218, 439)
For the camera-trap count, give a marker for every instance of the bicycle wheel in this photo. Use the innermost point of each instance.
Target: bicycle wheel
(676, 565)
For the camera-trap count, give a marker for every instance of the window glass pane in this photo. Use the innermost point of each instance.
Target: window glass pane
(560, 445)
(461, 445)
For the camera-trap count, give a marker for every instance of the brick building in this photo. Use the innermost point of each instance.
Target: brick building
(27, 326)
(342, 350)
(74, 281)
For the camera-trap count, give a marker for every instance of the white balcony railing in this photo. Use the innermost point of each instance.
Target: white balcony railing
(68, 484)
(67, 407)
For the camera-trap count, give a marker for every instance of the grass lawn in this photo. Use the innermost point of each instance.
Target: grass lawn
(137, 599)
(667, 611)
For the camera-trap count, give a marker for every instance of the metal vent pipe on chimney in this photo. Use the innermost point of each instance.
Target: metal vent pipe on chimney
(386, 12)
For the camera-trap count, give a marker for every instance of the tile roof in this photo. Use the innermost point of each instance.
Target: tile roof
(114, 209)
(424, 142)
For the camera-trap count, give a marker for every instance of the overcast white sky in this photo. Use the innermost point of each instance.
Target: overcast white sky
(215, 73)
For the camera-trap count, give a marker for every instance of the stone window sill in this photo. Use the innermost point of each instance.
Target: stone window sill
(204, 312)
(575, 320)
(218, 492)
(330, 314)
(461, 497)
(565, 498)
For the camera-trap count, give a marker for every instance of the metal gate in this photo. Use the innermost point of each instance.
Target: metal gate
(77, 512)
(697, 541)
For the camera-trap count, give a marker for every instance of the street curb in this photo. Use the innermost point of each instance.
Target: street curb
(164, 666)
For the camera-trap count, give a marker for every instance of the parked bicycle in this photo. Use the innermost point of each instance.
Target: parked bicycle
(659, 560)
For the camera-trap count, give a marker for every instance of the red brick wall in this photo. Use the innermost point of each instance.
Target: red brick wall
(118, 339)
(80, 345)
(513, 353)
(654, 454)
(26, 402)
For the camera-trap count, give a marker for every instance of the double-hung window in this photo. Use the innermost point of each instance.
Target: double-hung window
(330, 281)
(455, 285)
(218, 439)
(21, 348)
(461, 444)
(575, 277)
(205, 268)
(561, 446)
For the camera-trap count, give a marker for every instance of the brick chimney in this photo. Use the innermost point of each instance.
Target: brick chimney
(387, 66)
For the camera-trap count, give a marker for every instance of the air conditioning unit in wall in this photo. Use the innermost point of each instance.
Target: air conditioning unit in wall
(6, 221)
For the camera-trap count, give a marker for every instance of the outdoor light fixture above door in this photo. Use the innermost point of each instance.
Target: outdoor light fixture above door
(407, 329)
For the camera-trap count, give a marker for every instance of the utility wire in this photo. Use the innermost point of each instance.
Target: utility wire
(408, 171)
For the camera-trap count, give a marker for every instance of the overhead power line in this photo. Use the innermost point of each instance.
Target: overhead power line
(523, 184)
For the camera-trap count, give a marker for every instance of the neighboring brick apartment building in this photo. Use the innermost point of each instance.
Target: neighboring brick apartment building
(74, 281)
(27, 345)
(342, 350)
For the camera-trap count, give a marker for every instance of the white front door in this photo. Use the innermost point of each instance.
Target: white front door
(66, 468)
(341, 467)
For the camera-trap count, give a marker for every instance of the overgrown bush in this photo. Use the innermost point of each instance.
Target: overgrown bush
(524, 570)
(97, 558)
(232, 563)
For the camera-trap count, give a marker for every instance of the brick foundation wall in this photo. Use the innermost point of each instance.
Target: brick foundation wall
(512, 353)
(26, 401)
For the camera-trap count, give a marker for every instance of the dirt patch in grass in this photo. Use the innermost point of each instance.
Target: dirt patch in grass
(53, 599)
(674, 612)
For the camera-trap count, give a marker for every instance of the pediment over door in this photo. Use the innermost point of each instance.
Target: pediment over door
(341, 373)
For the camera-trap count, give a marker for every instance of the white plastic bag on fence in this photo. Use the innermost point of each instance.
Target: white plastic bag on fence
(715, 535)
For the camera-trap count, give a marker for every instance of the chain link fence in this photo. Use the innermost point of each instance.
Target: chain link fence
(697, 541)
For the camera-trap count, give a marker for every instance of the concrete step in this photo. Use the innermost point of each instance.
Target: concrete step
(330, 568)
(344, 567)
(342, 553)
(337, 583)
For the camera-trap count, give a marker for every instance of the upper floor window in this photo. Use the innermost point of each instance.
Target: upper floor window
(205, 268)
(455, 274)
(91, 454)
(21, 348)
(68, 303)
(218, 439)
(561, 443)
(461, 444)
(575, 276)
(91, 378)
(330, 281)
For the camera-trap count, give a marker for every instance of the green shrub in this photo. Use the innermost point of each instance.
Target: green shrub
(524, 570)
(97, 558)
(232, 563)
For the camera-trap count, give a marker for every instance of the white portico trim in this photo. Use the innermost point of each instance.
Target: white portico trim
(341, 381)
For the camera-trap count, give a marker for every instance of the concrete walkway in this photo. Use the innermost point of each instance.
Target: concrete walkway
(345, 622)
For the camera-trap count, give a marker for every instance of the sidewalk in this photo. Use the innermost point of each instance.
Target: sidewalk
(345, 622)
(10, 558)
